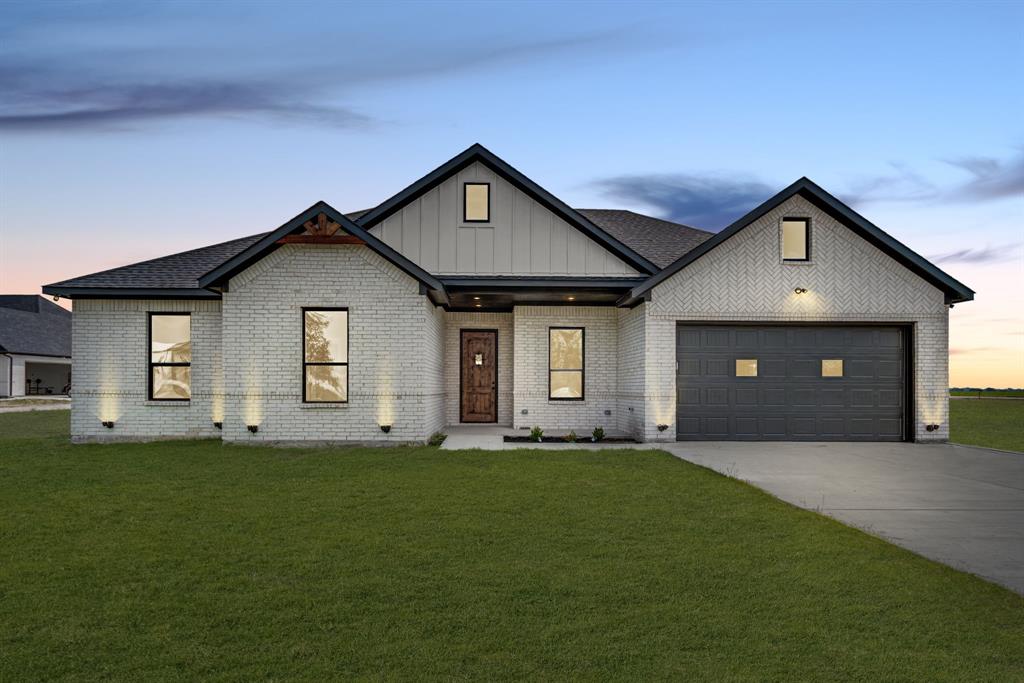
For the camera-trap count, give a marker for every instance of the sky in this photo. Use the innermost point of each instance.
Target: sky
(133, 130)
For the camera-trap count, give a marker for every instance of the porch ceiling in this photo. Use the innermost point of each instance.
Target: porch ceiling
(503, 293)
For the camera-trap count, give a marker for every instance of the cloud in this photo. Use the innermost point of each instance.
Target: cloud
(118, 106)
(705, 201)
(119, 87)
(989, 179)
(987, 254)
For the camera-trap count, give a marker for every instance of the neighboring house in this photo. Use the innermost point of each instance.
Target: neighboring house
(475, 296)
(35, 346)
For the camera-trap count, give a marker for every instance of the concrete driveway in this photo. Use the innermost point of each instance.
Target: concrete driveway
(960, 505)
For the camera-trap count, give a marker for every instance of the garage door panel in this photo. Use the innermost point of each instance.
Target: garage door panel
(789, 399)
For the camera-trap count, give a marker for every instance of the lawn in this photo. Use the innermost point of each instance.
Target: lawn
(193, 560)
(993, 393)
(994, 423)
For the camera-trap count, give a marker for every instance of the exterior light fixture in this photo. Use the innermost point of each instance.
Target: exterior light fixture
(57, 298)
(479, 305)
(800, 290)
(253, 428)
(572, 298)
(476, 298)
(385, 428)
(931, 428)
(662, 428)
(218, 425)
(109, 424)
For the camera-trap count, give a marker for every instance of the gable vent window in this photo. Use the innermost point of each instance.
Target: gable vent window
(170, 356)
(796, 239)
(476, 202)
(325, 355)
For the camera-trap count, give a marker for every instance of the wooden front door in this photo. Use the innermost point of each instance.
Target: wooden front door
(479, 376)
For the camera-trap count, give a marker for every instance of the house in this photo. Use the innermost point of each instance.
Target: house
(35, 346)
(475, 296)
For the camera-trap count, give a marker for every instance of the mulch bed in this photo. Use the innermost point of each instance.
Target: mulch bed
(560, 439)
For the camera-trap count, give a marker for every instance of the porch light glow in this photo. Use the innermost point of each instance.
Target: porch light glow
(479, 305)
(572, 298)
(476, 298)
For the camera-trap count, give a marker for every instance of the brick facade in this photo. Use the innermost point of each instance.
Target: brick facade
(404, 351)
(848, 280)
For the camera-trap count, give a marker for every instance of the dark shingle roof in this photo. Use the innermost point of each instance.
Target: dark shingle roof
(30, 324)
(659, 241)
(181, 270)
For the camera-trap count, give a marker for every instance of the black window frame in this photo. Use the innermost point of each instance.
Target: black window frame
(583, 363)
(348, 349)
(465, 203)
(149, 357)
(807, 238)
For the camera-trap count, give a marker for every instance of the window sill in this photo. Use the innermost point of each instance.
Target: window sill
(797, 263)
(169, 404)
(323, 406)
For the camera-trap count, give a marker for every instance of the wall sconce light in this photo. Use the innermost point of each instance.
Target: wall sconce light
(525, 411)
(800, 290)
(662, 428)
(931, 428)
(218, 425)
(253, 428)
(109, 424)
(385, 428)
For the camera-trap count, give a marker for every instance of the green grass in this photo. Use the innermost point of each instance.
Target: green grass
(1011, 393)
(192, 560)
(16, 402)
(995, 424)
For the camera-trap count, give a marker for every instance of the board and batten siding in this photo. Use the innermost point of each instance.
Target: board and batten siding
(522, 237)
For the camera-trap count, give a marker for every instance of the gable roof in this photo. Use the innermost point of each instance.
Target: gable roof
(659, 241)
(30, 324)
(176, 275)
(268, 242)
(479, 153)
(955, 290)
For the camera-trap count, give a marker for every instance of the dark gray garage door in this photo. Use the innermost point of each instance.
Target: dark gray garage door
(790, 383)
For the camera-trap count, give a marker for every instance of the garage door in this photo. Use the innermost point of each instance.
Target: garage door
(790, 383)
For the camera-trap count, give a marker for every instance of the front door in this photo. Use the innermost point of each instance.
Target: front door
(479, 376)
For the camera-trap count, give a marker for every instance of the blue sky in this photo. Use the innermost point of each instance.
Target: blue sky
(132, 130)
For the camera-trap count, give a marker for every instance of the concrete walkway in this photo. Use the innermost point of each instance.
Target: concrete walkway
(960, 505)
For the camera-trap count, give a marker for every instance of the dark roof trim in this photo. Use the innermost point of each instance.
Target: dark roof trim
(478, 152)
(520, 282)
(222, 273)
(955, 290)
(128, 293)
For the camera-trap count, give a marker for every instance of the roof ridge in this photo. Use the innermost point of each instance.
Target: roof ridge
(654, 218)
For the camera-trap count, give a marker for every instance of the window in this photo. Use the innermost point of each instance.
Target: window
(746, 367)
(565, 363)
(325, 355)
(170, 357)
(476, 202)
(832, 367)
(796, 233)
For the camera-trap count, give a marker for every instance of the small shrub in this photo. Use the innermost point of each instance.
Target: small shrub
(536, 433)
(598, 434)
(436, 439)
(571, 437)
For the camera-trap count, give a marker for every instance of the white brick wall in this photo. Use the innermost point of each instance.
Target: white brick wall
(848, 280)
(600, 363)
(454, 322)
(631, 365)
(110, 366)
(394, 348)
